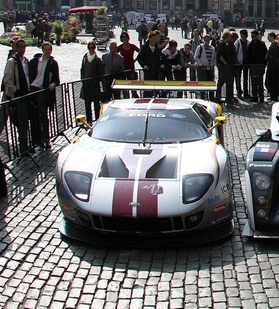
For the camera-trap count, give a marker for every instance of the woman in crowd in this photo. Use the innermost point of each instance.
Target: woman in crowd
(127, 50)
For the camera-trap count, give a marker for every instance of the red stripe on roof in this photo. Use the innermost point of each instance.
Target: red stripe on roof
(142, 100)
(160, 101)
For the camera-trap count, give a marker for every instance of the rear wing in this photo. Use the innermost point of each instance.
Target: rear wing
(172, 85)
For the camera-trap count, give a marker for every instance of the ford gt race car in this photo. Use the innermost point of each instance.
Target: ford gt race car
(151, 172)
(262, 182)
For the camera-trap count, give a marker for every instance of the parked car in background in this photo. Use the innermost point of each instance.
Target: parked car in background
(207, 15)
(64, 11)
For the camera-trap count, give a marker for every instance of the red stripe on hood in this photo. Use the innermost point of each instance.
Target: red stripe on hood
(147, 198)
(146, 202)
(122, 197)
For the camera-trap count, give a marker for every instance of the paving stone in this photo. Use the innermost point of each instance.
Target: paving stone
(39, 269)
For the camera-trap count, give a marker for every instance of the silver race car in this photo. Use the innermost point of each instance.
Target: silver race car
(262, 181)
(151, 171)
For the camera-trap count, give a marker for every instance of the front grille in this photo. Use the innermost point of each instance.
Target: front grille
(134, 225)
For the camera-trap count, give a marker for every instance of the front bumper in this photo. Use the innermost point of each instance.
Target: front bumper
(146, 241)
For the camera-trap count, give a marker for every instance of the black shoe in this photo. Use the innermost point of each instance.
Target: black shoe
(235, 100)
(45, 145)
(261, 100)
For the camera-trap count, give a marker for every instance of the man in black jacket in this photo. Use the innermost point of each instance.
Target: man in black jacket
(256, 57)
(272, 72)
(43, 75)
(225, 65)
(148, 58)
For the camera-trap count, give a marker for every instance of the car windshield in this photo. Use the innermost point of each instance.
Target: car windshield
(150, 126)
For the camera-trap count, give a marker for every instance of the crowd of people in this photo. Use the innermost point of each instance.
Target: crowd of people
(227, 59)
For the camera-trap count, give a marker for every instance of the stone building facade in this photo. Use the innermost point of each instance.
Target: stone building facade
(230, 10)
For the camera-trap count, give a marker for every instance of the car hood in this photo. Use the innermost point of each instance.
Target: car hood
(128, 175)
(130, 161)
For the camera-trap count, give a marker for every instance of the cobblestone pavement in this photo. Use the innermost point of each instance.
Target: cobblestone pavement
(40, 269)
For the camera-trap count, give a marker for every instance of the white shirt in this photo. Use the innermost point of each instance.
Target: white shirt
(39, 80)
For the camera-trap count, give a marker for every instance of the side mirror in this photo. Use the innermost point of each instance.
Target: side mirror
(81, 120)
(219, 120)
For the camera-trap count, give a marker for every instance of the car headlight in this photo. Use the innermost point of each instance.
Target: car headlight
(195, 186)
(79, 184)
(261, 181)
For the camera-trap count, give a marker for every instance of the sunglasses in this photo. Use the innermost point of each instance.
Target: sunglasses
(91, 47)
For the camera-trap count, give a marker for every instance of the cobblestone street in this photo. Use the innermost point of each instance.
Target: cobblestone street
(41, 269)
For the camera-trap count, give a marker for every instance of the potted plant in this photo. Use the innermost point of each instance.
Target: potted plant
(57, 28)
(102, 10)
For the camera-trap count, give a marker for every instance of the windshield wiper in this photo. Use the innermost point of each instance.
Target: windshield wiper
(145, 129)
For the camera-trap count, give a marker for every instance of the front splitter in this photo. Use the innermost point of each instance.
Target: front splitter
(179, 239)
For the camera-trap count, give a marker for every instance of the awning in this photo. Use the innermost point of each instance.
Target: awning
(84, 8)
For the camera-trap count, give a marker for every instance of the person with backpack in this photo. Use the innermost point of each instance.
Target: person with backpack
(16, 85)
(205, 56)
(142, 32)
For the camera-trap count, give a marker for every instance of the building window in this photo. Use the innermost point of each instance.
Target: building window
(227, 5)
(166, 4)
(178, 4)
(127, 4)
(215, 5)
(153, 4)
(140, 4)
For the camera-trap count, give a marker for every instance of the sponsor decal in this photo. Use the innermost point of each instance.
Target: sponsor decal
(226, 190)
(264, 148)
(155, 189)
(260, 165)
(134, 204)
(218, 209)
(180, 116)
(214, 200)
(220, 219)
(136, 82)
(95, 147)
